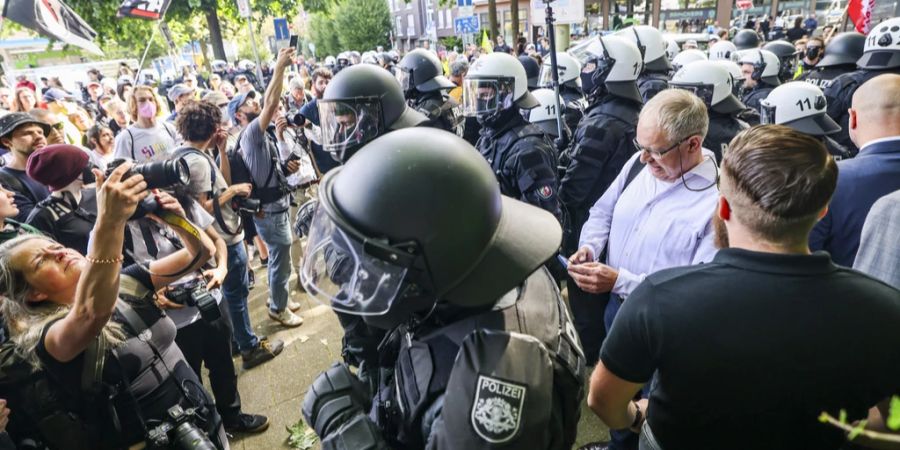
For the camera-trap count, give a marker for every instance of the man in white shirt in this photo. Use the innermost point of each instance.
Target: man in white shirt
(661, 218)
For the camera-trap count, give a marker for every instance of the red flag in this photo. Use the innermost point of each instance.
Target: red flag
(860, 12)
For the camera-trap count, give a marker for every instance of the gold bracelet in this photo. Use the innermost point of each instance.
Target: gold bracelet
(118, 260)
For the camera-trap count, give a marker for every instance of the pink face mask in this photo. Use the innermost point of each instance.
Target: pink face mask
(147, 110)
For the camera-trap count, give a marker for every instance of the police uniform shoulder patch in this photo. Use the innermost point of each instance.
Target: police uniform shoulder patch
(545, 191)
(497, 409)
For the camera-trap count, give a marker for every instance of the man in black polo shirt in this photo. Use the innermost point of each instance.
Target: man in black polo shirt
(748, 350)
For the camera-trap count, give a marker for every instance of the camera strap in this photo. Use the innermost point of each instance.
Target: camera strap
(173, 220)
(213, 194)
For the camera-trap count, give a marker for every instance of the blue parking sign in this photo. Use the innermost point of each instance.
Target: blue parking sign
(465, 25)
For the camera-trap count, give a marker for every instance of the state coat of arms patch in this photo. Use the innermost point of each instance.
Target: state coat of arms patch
(497, 409)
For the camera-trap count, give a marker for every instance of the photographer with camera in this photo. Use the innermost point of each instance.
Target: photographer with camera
(259, 150)
(93, 329)
(199, 123)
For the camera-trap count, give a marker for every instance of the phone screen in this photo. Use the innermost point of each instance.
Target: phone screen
(295, 41)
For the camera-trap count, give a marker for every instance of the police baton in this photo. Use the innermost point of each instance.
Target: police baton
(554, 68)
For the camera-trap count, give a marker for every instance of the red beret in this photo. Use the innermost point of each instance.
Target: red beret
(55, 166)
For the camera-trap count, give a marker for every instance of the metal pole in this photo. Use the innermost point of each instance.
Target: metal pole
(259, 75)
(555, 74)
(144, 56)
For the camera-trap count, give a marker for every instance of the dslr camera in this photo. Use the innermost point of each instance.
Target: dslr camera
(246, 204)
(179, 432)
(157, 175)
(194, 293)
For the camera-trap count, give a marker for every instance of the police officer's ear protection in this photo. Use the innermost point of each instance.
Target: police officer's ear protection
(758, 68)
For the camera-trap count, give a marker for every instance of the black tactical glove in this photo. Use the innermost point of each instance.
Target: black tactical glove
(334, 398)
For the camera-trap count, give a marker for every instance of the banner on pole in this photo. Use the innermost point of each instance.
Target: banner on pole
(143, 9)
(243, 8)
(55, 19)
(860, 12)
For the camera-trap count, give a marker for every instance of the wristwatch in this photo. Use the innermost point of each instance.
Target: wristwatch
(638, 418)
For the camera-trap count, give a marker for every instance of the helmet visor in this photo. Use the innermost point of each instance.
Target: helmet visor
(767, 114)
(487, 95)
(704, 91)
(338, 272)
(345, 124)
(546, 77)
(405, 78)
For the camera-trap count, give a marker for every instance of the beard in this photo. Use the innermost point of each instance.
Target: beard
(251, 115)
(720, 232)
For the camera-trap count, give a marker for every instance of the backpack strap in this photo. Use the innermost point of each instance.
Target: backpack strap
(14, 183)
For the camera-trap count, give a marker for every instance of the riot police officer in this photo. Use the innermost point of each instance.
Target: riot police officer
(521, 155)
(601, 145)
(881, 55)
(544, 116)
(787, 58)
(746, 39)
(841, 55)
(723, 51)
(761, 68)
(750, 116)
(532, 71)
(713, 84)
(686, 57)
(655, 75)
(802, 107)
(361, 103)
(480, 351)
(672, 49)
(424, 86)
(569, 85)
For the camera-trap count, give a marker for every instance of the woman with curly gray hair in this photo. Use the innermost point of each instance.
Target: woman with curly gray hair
(92, 326)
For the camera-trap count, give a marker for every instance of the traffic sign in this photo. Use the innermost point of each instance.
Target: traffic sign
(744, 4)
(464, 25)
(461, 3)
(281, 29)
(243, 8)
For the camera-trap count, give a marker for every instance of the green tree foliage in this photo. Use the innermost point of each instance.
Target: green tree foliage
(323, 33)
(362, 24)
(350, 25)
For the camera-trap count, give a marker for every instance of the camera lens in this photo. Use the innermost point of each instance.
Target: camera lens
(164, 174)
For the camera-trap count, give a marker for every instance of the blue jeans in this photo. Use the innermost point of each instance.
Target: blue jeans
(275, 231)
(235, 292)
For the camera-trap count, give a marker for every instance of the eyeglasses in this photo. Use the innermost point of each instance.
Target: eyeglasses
(655, 154)
(58, 126)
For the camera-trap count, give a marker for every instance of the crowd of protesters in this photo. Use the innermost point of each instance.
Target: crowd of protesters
(729, 225)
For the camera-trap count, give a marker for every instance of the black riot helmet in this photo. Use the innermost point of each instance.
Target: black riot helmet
(845, 48)
(787, 57)
(361, 103)
(421, 71)
(746, 39)
(532, 71)
(387, 241)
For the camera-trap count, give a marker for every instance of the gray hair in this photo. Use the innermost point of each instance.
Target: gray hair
(677, 112)
(459, 67)
(25, 319)
(296, 83)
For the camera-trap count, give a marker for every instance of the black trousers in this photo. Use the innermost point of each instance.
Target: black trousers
(210, 344)
(587, 312)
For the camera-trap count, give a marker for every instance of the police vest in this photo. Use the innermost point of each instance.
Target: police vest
(498, 151)
(495, 367)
